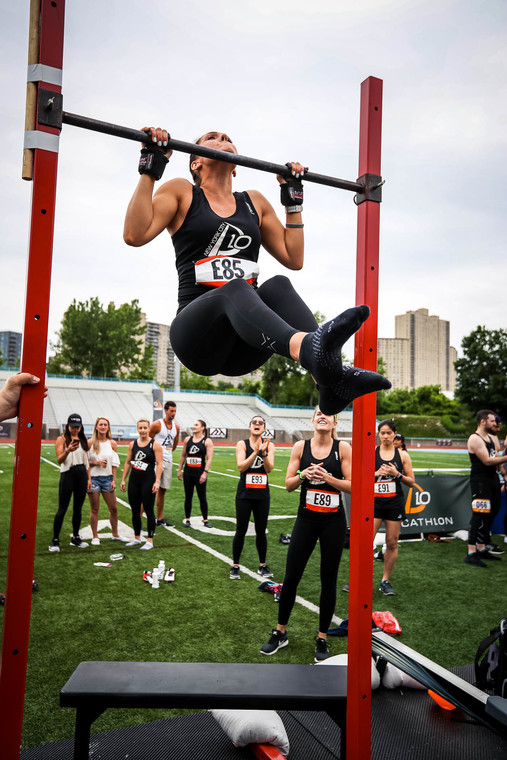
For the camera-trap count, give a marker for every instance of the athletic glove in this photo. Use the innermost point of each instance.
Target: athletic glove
(291, 195)
(152, 162)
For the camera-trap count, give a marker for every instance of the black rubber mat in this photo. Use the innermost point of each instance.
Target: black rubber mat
(406, 725)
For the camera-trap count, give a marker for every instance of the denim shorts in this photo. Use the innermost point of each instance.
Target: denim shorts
(101, 483)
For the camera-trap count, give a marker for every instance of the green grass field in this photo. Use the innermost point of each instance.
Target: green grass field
(85, 612)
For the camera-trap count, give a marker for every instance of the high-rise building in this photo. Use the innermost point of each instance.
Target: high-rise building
(10, 346)
(420, 353)
(163, 355)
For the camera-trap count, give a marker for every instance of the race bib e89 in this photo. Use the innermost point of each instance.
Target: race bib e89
(322, 501)
(216, 271)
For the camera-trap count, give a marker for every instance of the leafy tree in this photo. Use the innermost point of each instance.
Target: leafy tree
(192, 382)
(145, 369)
(481, 375)
(94, 341)
(425, 400)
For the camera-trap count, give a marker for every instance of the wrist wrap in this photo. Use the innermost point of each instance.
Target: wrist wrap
(291, 193)
(152, 162)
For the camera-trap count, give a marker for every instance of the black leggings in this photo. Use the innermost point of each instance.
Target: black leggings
(189, 483)
(480, 523)
(234, 329)
(141, 495)
(73, 481)
(260, 510)
(330, 532)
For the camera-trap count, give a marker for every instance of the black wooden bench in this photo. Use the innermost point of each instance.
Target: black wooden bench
(97, 686)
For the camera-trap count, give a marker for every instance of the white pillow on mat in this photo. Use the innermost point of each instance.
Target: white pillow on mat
(342, 659)
(253, 727)
(394, 677)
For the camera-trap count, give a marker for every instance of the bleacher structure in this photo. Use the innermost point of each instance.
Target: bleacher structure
(123, 402)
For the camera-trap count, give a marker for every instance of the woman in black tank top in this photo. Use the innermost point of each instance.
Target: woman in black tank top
(144, 461)
(392, 468)
(193, 469)
(225, 324)
(322, 467)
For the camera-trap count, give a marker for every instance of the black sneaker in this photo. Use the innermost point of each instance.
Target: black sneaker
(76, 541)
(234, 573)
(494, 549)
(277, 641)
(486, 554)
(386, 588)
(264, 571)
(164, 523)
(379, 556)
(54, 546)
(321, 649)
(474, 559)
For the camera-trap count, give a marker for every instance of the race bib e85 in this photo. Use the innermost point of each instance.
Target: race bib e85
(216, 271)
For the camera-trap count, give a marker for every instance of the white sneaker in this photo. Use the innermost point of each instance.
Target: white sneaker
(134, 542)
(95, 541)
(147, 545)
(54, 546)
(120, 538)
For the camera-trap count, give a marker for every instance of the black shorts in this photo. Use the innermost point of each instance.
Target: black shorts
(395, 511)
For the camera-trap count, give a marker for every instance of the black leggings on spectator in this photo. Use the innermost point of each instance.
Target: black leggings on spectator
(141, 496)
(72, 482)
(260, 510)
(189, 483)
(330, 532)
(234, 329)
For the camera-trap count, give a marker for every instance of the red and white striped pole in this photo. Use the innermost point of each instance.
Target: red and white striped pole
(47, 25)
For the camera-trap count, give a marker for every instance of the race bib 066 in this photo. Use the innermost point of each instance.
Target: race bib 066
(216, 271)
(481, 505)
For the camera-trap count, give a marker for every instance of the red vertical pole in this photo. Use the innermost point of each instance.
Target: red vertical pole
(27, 455)
(363, 439)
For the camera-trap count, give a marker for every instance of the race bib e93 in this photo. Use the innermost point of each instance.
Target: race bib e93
(256, 480)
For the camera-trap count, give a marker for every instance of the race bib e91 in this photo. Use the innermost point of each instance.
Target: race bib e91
(322, 501)
(256, 480)
(216, 271)
(385, 488)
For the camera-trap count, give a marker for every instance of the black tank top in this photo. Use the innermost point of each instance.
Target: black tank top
(319, 499)
(253, 483)
(388, 491)
(143, 459)
(478, 469)
(204, 234)
(196, 457)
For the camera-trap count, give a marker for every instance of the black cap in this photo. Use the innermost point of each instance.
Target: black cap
(74, 420)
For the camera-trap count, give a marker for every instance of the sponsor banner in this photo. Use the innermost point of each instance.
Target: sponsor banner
(5, 430)
(218, 432)
(440, 504)
(158, 403)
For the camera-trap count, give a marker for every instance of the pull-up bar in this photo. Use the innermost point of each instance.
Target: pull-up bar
(50, 114)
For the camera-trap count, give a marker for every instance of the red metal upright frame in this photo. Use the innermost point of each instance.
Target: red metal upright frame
(27, 455)
(16, 628)
(363, 439)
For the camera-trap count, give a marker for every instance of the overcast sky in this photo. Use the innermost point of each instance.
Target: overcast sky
(283, 79)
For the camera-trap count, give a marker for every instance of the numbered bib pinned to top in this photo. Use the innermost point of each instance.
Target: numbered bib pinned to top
(216, 271)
